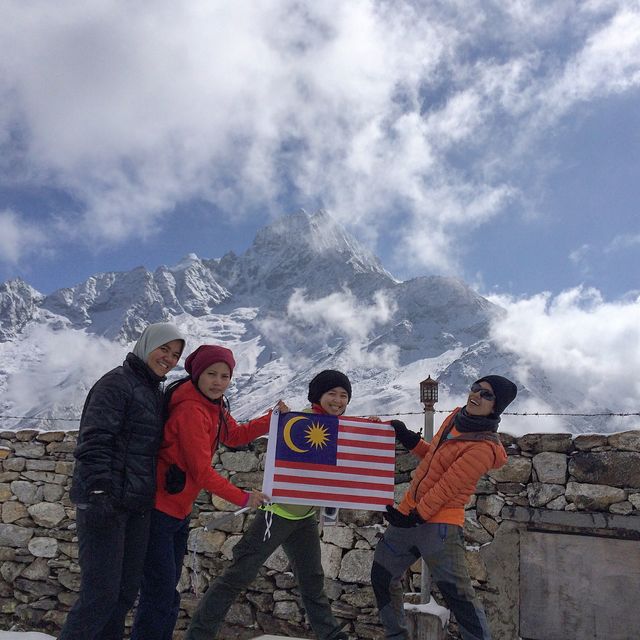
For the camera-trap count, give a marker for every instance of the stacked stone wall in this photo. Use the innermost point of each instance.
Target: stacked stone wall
(557, 482)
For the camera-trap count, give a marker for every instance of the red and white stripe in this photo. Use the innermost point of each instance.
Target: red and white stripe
(363, 477)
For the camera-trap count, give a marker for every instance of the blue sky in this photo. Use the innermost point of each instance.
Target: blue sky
(495, 141)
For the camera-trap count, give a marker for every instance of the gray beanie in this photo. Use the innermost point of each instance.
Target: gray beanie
(154, 336)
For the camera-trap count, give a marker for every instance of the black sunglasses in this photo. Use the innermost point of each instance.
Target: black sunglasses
(485, 394)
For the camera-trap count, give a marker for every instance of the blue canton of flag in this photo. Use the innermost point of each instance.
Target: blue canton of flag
(307, 437)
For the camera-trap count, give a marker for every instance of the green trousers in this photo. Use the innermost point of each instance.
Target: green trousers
(301, 542)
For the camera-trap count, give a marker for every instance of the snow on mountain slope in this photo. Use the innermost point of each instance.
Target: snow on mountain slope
(305, 296)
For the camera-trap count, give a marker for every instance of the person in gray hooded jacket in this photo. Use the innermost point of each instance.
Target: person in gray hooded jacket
(114, 483)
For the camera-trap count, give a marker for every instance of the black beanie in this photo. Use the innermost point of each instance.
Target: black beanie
(325, 381)
(504, 390)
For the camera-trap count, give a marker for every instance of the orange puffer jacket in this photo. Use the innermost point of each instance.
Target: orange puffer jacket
(448, 472)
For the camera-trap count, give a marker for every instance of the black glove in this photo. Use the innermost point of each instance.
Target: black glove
(100, 510)
(408, 439)
(398, 519)
(174, 479)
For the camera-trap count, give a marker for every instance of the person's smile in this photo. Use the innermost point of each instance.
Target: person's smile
(165, 357)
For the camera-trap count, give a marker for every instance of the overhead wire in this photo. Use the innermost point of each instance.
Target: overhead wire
(607, 414)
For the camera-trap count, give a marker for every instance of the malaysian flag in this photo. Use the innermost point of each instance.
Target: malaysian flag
(330, 461)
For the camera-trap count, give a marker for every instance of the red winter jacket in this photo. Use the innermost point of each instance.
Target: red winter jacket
(190, 440)
(449, 472)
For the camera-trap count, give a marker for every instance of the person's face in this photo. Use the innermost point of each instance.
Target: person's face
(335, 401)
(214, 380)
(163, 358)
(477, 405)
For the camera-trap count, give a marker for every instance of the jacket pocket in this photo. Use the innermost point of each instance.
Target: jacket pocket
(174, 479)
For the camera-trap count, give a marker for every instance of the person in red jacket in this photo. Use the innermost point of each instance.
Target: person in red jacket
(198, 420)
(429, 520)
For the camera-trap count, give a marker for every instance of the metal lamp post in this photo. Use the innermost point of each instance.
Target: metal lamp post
(428, 397)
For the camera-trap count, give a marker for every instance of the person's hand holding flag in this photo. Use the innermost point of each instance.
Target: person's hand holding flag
(408, 439)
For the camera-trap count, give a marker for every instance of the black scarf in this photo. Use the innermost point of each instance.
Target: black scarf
(466, 423)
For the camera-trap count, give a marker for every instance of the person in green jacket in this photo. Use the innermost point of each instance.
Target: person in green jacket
(294, 527)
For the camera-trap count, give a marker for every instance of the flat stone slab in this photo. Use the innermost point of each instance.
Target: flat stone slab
(277, 638)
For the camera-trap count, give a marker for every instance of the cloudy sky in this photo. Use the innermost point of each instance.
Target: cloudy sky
(498, 141)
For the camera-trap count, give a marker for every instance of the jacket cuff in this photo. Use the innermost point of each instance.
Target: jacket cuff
(410, 440)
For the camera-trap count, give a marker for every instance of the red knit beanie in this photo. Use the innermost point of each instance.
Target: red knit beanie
(206, 355)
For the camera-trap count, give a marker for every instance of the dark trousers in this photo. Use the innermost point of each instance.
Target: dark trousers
(301, 542)
(442, 547)
(111, 558)
(159, 603)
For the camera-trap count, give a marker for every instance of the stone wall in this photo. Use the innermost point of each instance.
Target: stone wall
(559, 485)
(555, 482)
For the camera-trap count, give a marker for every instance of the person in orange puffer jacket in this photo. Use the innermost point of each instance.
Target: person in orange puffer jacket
(428, 521)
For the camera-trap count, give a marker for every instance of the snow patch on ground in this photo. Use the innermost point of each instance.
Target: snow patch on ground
(432, 608)
(24, 635)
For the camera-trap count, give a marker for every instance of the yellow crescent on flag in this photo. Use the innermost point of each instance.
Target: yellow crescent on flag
(286, 434)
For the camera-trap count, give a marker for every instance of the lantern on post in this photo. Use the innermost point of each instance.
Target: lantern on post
(428, 397)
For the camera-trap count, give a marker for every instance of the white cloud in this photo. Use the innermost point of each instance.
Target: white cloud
(579, 254)
(132, 111)
(18, 239)
(580, 342)
(608, 63)
(62, 358)
(580, 258)
(623, 242)
(340, 312)
(336, 324)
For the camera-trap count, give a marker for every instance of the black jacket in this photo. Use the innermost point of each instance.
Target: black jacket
(120, 433)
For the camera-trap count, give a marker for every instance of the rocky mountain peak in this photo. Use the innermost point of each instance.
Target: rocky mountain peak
(18, 305)
(315, 234)
(301, 251)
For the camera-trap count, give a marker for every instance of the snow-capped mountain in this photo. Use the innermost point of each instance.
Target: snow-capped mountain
(305, 296)
(18, 305)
